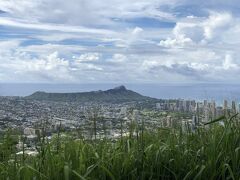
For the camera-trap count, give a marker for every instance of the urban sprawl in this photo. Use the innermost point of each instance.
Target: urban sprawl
(30, 118)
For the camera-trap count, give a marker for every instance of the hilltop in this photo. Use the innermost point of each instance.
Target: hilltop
(118, 94)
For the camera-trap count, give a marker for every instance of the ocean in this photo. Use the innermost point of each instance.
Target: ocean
(217, 92)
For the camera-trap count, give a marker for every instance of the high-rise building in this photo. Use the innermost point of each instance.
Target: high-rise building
(225, 107)
(194, 122)
(213, 110)
(184, 106)
(188, 103)
(158, 106)
(205, 103)
(177, 104)
(181, 105)
(197, 110)
(206, 114)
(219, 111)
(200, 107)
(234, 109)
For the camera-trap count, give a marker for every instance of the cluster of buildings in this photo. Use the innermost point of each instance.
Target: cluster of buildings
(198, 112)
(207, 110)
(20, 114)
(32, 118)
(179, 105)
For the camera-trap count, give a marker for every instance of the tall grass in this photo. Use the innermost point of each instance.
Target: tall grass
(210, 152)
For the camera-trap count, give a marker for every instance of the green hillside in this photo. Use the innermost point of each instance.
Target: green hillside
(116, 95)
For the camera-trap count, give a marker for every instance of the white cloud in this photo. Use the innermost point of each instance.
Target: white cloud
(118, 58)
(178, 42)
(91, 12)
(82, 41)
(88, 57)
(51, 62)
(131, 37)
(50, 48)
(50, 68)
(216, 24)
(137, 30)
(60, 36)
(93, 67)
(7, 47)
(200, 30)
(18, 65)
(51, 27)
(205, 47)
(228, 63)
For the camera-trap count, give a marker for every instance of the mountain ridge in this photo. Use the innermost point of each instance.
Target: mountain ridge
(118, 94)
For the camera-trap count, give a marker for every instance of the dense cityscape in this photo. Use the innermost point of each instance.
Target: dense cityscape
(30, 117)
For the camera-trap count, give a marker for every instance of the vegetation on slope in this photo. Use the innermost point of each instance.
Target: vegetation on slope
(210, 152)
(117, 95)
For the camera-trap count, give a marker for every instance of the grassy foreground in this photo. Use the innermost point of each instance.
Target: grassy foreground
(211, 152)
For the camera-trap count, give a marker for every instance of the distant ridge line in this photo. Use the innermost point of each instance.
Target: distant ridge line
(118, 94)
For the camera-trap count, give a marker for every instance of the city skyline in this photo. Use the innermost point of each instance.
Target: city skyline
(156, 41)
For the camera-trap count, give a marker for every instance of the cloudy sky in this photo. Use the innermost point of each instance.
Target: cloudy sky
(119, 41)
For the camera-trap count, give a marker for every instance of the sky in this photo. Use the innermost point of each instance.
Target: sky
(119, 41)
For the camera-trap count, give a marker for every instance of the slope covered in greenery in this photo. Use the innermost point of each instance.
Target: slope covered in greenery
(118, 94)
(211, 152)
